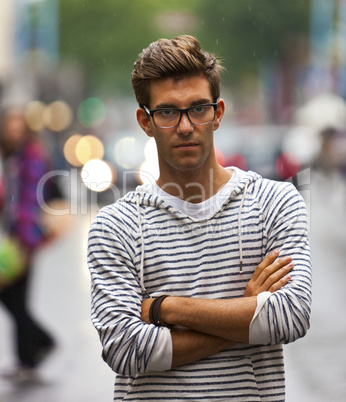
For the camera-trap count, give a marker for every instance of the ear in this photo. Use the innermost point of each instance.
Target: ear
(219, 113)
(143, 121)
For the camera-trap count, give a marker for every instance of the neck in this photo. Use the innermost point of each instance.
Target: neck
(196, 186)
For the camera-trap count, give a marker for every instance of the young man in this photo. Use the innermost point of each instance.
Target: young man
(190, 296)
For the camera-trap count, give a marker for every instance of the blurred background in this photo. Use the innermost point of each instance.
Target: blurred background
(68, 64)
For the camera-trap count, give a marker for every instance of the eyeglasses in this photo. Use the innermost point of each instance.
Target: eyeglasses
(170, 117)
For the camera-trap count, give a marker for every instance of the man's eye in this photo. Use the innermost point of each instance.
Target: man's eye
(198, 109)
(167, 114)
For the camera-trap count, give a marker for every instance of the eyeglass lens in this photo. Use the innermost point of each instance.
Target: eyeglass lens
(167, 118)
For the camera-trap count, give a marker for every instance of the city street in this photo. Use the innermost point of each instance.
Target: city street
(75, 372)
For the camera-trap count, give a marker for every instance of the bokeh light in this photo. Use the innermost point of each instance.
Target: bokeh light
(287, 165)
(150, 149)
(220, 157)
(237, 160)
(91, 112)
(324, 110)
(128, 152)
(303, 142)
(98, 175)
(89, 147)
(57, 116)
(34, 115)
(149, 170)
(70, 150)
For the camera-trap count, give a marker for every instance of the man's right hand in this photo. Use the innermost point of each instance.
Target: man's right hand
(270, 275)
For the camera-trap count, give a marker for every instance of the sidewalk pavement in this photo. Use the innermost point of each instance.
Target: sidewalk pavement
(75, 372)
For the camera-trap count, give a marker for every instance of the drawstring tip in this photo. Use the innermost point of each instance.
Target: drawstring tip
(145, 291)
(241, 267)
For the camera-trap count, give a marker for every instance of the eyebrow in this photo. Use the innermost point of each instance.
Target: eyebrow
(173, 106)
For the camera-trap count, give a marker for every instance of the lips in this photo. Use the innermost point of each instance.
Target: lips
(187, 145)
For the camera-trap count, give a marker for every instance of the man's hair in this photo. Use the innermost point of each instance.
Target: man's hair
(177, 58)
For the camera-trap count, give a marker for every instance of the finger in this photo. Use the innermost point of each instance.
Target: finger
(272, 268)
(278, 276)
(278, 285)
(268, 260)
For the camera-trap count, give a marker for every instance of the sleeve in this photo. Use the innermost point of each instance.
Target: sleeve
(129, 346)
(284, 316)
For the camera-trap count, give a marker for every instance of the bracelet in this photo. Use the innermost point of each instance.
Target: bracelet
(154, 312)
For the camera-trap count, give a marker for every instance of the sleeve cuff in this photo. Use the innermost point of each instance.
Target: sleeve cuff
(259, 330)
(162, 355)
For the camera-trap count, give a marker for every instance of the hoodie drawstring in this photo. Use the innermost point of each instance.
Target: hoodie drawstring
(141, 268)
(239, 229)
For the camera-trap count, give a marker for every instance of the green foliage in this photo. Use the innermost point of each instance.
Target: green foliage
(103, 37)
(247, 33)
(106, 36)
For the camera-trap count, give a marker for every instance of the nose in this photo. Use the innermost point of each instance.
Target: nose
(185, 126)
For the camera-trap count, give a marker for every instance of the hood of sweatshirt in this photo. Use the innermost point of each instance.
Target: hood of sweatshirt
(143, 197)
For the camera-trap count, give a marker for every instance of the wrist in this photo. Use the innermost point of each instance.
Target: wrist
(155, 314)
(167, 310)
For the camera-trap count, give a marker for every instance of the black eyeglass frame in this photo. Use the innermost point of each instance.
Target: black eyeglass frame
(181, 111)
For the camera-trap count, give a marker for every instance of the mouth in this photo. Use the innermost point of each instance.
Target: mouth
(187, 146)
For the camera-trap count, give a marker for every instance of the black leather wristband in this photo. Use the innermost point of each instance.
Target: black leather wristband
(154, 312)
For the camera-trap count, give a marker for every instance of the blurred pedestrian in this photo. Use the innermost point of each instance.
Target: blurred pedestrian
(25, 161)
(327, 160)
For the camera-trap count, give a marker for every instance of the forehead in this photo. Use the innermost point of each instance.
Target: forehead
(179, 92)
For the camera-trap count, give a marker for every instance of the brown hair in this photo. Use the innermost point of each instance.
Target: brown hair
(176, 58)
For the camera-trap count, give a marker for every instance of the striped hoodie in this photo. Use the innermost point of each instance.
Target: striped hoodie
(142, 245)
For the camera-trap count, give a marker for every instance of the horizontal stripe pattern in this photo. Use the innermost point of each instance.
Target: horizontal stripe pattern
(191, 258)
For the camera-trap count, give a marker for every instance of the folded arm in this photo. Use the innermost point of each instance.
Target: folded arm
(129, 346)
(203, 327)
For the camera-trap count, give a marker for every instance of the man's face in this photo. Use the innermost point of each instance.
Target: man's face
(187, 147)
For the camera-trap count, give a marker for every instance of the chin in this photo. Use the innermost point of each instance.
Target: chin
(189, 167)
